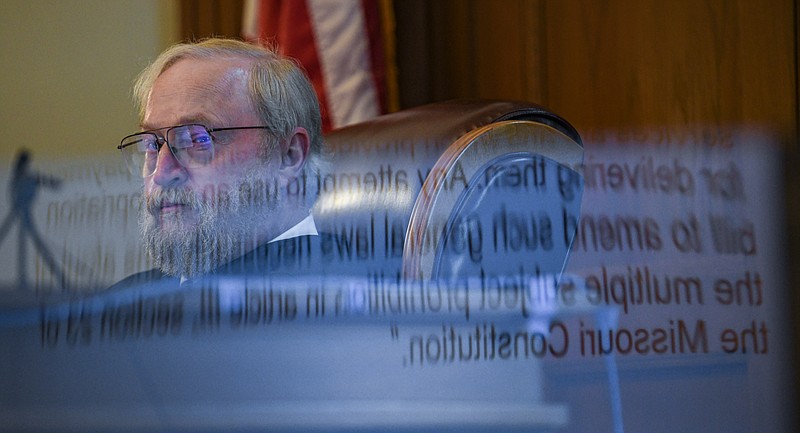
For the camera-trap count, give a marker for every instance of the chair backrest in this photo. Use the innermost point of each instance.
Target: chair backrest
(408, 190)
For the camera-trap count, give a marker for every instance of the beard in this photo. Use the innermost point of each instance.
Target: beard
(210, 229)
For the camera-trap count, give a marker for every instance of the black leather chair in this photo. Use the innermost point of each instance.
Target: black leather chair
(454, 189)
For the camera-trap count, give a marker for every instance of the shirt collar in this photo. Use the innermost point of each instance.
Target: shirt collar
(306, 227)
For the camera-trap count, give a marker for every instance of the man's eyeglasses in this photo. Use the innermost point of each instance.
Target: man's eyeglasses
(192, 146)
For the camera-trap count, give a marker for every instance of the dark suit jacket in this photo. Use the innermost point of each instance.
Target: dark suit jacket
(324, 255)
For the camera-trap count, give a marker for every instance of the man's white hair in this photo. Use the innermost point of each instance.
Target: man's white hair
(279, 90)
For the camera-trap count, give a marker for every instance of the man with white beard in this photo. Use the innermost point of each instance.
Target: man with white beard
(225, 127)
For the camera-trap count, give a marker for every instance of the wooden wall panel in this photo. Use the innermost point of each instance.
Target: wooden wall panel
(652, 63)
(469, 49)
(450, 39)
(205, 18)
(607, 64)
(500, 40)
(412, 52)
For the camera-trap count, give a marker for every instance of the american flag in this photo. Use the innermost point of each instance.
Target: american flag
(342, 44)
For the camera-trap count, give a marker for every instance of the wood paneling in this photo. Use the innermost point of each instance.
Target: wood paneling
(609, 64)
(652, 63)
(205, 18)
(469, 49)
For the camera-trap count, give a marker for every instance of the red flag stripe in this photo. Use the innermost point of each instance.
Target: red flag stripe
(343, 45)
(372, 19)
(338, 42)
(288, 24)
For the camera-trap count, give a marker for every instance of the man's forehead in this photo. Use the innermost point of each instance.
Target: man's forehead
(201, 118)
(214, 70)
(198, 91)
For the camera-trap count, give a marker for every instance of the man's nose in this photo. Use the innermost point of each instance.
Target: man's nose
(169, 172)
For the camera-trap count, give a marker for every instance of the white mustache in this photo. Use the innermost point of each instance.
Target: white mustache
(161, 197)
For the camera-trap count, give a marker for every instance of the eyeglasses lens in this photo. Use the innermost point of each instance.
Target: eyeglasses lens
(191, 145)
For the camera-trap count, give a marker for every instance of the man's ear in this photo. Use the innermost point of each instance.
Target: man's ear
(294, 152)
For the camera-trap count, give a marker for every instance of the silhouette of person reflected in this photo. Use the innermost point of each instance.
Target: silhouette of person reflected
(24, 186)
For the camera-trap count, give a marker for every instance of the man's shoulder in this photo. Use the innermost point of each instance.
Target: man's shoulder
(295, 255)
(324, 254)
(141, 278)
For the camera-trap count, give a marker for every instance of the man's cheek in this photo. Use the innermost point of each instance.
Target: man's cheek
(147, 187)
(147, 207)
(216, 194)
(236, 156)
(259, 191)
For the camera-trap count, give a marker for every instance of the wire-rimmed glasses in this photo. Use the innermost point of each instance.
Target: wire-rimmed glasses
(192, 145)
